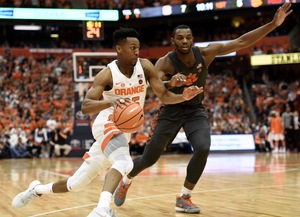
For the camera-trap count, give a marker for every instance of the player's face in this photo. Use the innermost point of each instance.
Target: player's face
(183, 40)
(131, 50)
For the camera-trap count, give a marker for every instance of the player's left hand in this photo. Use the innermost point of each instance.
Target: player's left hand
(191, 92)
(178, 80)
(281, 13)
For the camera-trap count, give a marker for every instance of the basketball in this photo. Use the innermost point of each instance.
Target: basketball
(128, 118)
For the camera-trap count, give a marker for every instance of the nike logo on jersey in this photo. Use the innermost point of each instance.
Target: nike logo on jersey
(120, 84)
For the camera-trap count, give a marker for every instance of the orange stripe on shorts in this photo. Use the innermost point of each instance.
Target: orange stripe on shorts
(109, 129)
(106, 140)
(86, 156)
(107, 125)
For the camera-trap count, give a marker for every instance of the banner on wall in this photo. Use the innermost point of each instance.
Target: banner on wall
(58, 14)
(275, 59)
(232, 142)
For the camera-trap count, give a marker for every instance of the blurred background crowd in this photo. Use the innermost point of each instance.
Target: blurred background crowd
(37, 93)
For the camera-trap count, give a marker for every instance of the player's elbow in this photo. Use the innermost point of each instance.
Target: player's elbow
(164, 99)
(84, 111)
(84, 108)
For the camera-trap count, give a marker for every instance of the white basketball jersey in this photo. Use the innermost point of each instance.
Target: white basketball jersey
(133, 88)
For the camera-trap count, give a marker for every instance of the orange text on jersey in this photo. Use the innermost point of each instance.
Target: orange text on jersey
(130, 90)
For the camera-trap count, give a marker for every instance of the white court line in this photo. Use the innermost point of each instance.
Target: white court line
(61, 210)
(171, 194)
(55, 173)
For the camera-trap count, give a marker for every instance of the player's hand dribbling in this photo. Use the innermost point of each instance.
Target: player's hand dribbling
(178, 80)
(191, 92)
(282, 13)
(122, 102)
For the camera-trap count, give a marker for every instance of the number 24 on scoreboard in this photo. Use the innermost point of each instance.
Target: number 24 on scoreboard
(93, 30)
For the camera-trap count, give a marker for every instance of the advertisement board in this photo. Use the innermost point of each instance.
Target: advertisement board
(232, 142)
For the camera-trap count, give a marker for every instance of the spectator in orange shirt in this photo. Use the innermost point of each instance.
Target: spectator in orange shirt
(276, 128)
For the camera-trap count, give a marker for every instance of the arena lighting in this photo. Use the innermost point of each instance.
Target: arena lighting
(54, 36)
(27, 27)
(204, 44)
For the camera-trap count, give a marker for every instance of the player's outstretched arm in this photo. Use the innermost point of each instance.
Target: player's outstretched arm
(248, 38)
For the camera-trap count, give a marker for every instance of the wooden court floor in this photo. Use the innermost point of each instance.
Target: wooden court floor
(233, 185)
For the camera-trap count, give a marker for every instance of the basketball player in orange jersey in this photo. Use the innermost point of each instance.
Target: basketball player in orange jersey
(115, 84)
(190, 65)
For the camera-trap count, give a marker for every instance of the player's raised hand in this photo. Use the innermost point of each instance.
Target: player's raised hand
(178, 80)
(191, 91)
(281, 13)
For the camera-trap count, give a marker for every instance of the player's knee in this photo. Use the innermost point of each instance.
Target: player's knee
(202, 146)
(75, 183)
(124, 166)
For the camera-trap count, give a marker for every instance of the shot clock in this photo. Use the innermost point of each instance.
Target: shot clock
(93, 30)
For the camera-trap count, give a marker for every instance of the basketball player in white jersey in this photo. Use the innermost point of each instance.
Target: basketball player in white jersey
(124, 80)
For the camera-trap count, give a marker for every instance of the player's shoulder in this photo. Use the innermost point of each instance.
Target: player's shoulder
(165, 58)
(144, 61)
(104, 74)
(147, 66)
(164, 62)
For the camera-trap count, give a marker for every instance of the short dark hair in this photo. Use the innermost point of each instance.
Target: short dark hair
(180, 27)
(121, 34)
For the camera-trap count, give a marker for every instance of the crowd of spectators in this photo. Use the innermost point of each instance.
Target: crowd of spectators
(278, 92)
(37, 94)
(32, 92)
(37, 100)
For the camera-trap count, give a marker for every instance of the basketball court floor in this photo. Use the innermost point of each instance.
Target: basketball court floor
(233, 185)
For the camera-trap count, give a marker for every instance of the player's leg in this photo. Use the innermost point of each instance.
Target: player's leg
(117, 151)
(276, 143)
(197, 129)
(89, 169)
(283, 143)
(164, 132)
